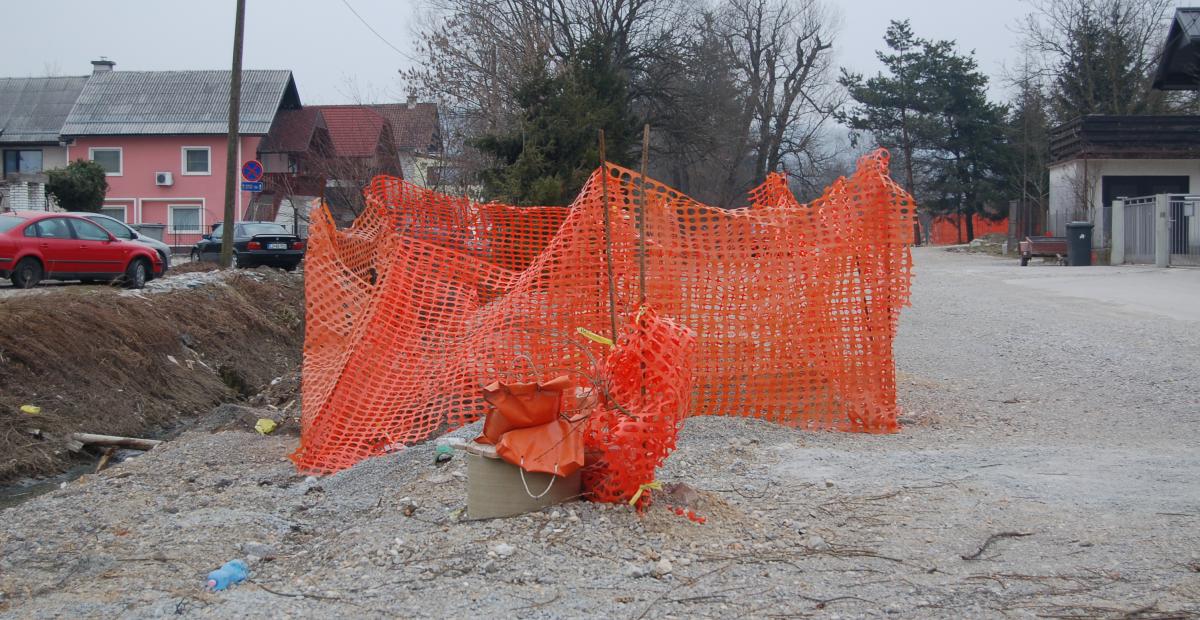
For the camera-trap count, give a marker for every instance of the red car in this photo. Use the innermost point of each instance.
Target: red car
(36, 246)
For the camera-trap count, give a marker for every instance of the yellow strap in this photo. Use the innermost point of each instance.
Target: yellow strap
(655, 485)
(594, 337)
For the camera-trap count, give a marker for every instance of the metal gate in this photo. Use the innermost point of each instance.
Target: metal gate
(1139, 230)
(1184, 216)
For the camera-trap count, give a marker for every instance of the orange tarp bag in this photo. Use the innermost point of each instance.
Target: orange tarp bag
(526, 426)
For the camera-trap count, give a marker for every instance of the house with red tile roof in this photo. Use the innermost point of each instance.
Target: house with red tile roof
(363, 147)
(293, 156)
(416, 129)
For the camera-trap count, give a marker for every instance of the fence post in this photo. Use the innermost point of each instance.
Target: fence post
(1117, 256)
(1162, 230)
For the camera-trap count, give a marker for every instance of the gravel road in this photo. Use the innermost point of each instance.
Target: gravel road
(1048, 468)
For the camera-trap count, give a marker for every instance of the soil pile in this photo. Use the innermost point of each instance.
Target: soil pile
(97, 359)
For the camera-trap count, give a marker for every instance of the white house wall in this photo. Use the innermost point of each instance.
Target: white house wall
(54, 157)
(1061, 197)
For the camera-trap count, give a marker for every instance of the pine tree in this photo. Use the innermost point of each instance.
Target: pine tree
(548, 157)
(893, 107)
(931, 109)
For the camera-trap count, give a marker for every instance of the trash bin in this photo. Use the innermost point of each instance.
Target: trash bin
(154, 231)
(1079, 244)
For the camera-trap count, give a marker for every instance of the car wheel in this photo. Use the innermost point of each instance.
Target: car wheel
(27, 274)
(136, 273)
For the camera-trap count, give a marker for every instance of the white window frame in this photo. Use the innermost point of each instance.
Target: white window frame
(183, 171)
(120, 158)
(171, 219)
(123, 207)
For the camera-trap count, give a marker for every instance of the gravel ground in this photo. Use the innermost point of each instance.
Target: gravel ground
(1063, 432)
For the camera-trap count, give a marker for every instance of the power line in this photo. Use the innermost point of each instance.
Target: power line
(372, 29)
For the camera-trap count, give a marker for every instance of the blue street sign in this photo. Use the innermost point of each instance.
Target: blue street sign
(251, 186)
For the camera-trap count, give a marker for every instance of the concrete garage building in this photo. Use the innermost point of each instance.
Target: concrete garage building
(1098, 159)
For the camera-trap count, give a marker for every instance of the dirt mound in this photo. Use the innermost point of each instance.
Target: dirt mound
(100, 360)
(193, 267)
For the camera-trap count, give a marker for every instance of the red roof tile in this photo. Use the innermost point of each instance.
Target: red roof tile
(415, 126)
(292, 131)
(354, 130)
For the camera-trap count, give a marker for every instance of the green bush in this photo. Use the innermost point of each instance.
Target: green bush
(80, 186)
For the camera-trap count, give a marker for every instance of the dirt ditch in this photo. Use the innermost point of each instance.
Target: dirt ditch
(97, 359)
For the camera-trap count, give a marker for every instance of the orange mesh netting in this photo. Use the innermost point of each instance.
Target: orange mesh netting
(649, 374)
(948, 230)
(427, 298)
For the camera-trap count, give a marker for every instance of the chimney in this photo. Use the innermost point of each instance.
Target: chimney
(412, 100)
(103, 65)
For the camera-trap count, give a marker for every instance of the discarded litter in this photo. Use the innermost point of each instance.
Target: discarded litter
(232, 572)
(30, 409)
(265, 426)
(442, 454)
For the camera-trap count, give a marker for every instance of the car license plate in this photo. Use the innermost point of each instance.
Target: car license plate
(276, 246)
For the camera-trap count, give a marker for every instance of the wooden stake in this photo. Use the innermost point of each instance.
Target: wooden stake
(608, 255)
(642, 237)
(642, 217)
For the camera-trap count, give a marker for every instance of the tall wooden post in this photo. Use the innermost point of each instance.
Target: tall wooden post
(231, 155)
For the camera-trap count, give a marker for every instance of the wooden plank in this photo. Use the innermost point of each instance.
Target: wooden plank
(115, 441)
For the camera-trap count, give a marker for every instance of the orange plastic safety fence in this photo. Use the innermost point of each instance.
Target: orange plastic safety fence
(948, 230)
(649, 374)
(427, 298)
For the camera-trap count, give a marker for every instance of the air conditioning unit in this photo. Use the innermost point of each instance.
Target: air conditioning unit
(164, 178)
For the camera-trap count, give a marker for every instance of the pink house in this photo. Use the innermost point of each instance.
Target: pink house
(161, 136)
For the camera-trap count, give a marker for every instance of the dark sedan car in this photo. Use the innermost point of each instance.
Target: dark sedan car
(254, 244)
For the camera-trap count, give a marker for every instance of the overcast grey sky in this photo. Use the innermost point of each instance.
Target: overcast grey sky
(336, 59)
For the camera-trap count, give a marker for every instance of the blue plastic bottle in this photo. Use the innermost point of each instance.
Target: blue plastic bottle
(234, 571)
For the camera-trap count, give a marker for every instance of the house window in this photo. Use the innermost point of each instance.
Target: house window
(197, 160)
(184, 219)
(22, 162)
(109, 159)
(117, 212)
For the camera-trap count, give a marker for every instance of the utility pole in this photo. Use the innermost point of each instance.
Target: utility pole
(231, 162)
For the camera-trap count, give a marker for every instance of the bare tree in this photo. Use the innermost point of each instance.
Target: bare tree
(781, 51)
(1028, 178)
(733, 91)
